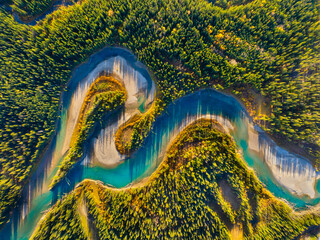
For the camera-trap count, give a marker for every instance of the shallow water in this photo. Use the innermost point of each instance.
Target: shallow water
(260, 152)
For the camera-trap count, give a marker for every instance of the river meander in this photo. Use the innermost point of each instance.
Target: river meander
(286, 175)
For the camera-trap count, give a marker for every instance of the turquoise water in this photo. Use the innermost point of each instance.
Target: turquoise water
(144, 161)
(179, 114)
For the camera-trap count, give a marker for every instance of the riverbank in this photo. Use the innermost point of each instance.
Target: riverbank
(253, 104)
(296, 185)
(186, 170)
(195, 104)
(104, 95)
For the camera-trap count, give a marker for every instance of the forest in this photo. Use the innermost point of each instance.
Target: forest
(201, 190)
(28, 9)
(265, 48)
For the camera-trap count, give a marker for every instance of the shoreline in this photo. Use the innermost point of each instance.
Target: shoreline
(145, 180)
(106, 50)
(89, 59)
(283, 143)
(88, 184)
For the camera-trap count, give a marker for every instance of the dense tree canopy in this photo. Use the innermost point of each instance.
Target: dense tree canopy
(202, 190)
(267, 48)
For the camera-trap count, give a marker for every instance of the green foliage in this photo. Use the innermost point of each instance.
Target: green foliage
(229, 3)
(30, 8)
(63, 222)
(268, 46)
(36, 63)
(184, 199)
(271, 47)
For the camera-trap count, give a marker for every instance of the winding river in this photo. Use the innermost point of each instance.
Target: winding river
(286, 175)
